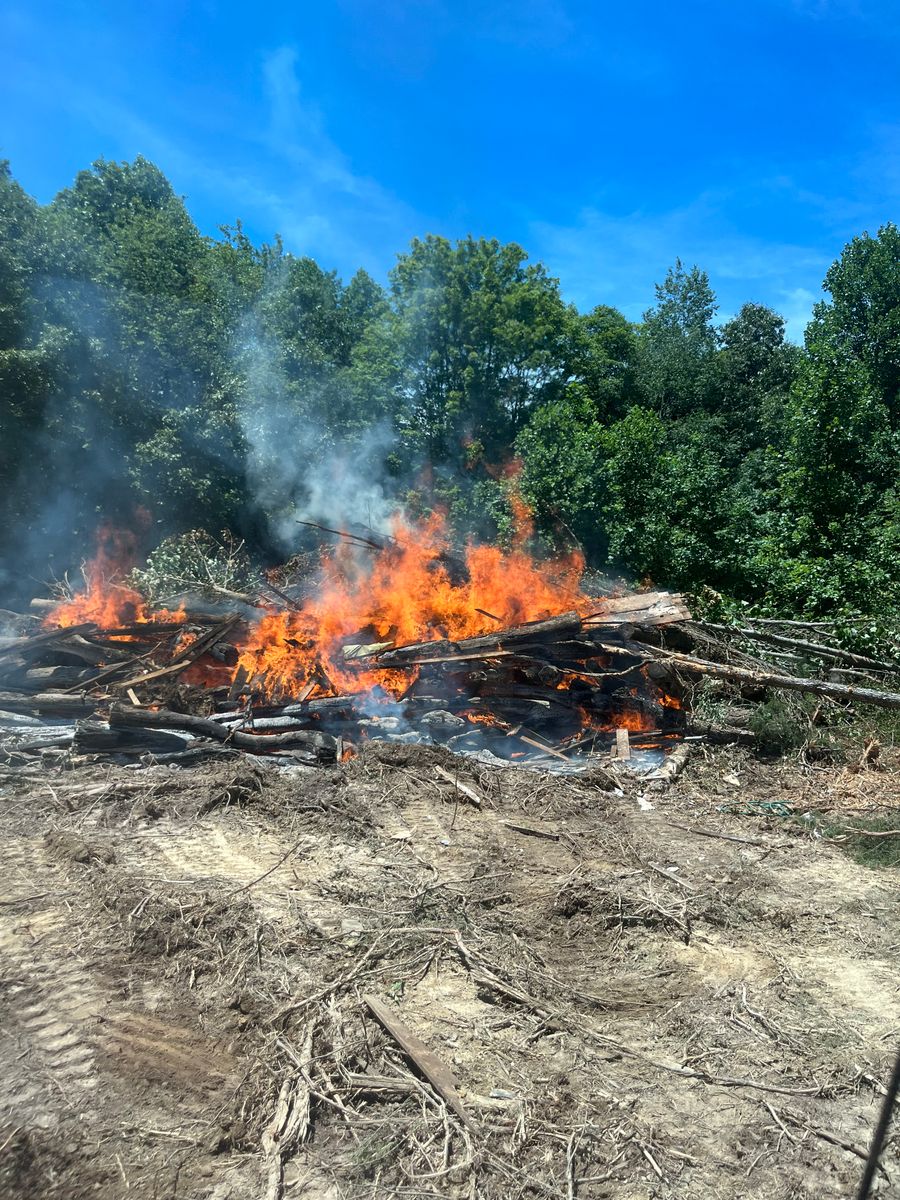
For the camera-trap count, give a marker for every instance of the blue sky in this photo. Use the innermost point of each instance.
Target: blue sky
(754, 137)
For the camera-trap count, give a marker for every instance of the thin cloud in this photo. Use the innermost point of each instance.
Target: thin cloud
(604, 258)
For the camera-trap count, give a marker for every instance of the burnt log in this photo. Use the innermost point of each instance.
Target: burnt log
(40, 679)
(97, 737)
(123, 716)
(48, 704)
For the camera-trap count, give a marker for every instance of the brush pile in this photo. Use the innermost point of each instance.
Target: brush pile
(553, 692)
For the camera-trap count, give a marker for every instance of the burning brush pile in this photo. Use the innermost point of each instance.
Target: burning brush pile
(395, 638)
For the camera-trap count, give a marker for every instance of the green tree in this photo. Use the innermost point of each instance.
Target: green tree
(606, 362)
(677, 344)
(482, 340)
(865, 309)
(561, 452)
(755, 367)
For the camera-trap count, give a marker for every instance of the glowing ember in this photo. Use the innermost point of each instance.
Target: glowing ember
(106, 600)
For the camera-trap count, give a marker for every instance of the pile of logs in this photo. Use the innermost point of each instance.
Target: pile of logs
(555, 693)
(550, 691)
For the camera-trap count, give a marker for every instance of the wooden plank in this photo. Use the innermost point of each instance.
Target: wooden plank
(460, 787)
(623, 745)
(423, 1057)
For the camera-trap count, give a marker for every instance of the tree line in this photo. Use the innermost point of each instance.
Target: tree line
(204, 379)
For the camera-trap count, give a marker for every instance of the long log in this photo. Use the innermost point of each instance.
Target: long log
(48, 704)
(129, 717)
(832, 653)
(814, 687)
(563, 626)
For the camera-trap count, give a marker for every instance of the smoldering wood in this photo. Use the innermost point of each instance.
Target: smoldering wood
(182, 659)
(18, 624)
(127, 717)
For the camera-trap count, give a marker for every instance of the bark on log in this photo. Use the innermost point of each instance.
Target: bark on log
(128, 717)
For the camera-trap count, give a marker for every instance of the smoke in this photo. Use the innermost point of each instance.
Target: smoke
(307, 458)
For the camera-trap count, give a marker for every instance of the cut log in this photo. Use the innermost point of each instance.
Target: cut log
(123, 716)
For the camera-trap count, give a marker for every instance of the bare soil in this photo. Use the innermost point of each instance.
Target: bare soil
(678, 994)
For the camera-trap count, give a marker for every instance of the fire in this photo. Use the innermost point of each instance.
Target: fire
(106, 600)
(408, 592)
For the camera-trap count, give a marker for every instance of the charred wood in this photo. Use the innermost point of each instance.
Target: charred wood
(47, 704)
(128, 717)
(96, 737)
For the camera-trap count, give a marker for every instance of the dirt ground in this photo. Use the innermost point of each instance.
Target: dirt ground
(677, 994)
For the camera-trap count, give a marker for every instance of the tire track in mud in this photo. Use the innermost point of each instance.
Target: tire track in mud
(67, 1029)
(53, 999)
(235, 856)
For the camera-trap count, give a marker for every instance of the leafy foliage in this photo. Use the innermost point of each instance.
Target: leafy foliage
(210, 379)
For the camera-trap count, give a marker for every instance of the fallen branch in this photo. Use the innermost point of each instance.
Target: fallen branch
(814, 687)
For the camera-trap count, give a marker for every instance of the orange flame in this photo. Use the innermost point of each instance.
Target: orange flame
(403, 594)
(106, 600)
